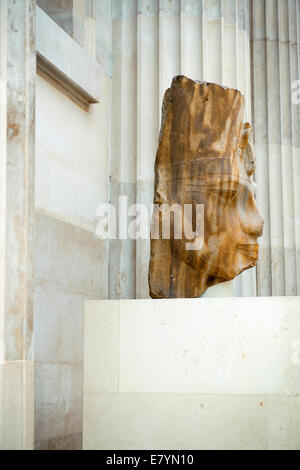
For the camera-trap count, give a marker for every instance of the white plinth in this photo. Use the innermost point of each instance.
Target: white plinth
(192, 374)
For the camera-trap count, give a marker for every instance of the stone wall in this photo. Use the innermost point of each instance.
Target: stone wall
(71, 264)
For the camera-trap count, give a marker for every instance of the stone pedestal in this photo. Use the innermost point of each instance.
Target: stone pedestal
(192, 374)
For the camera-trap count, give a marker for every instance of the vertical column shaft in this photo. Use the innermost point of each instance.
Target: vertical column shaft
(276, 122)
(17, 127)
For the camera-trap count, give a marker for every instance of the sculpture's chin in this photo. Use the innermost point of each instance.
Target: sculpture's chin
(197, 282)
(241, 260)
(248, 258)
(247, 262)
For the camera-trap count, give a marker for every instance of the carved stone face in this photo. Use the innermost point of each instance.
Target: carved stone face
(205, 157)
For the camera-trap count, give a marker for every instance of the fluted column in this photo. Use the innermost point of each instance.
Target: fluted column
(275, 29)
(205, 40)
(122, 279)
(149, 78)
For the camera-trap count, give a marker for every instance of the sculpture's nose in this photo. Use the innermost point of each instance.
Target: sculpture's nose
(252, 220)
(258, 230)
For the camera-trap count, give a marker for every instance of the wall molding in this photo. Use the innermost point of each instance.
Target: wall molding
(65, 64)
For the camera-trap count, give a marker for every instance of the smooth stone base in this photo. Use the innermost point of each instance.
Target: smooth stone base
(192, 374)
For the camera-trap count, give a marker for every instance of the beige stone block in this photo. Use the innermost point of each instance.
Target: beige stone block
(64, 442)
(195, 374)
(57, 419)
(28, 405)
(70, 258)
(58, 382)
(70, 267)
(237, 345)
(283, 420)
(101, 349)
(12, 388)
(58, 400)
(174, 421)
(17, 405)
(72, 160)
(58, 324)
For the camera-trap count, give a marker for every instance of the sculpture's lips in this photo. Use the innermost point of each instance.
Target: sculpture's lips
(249, 249)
